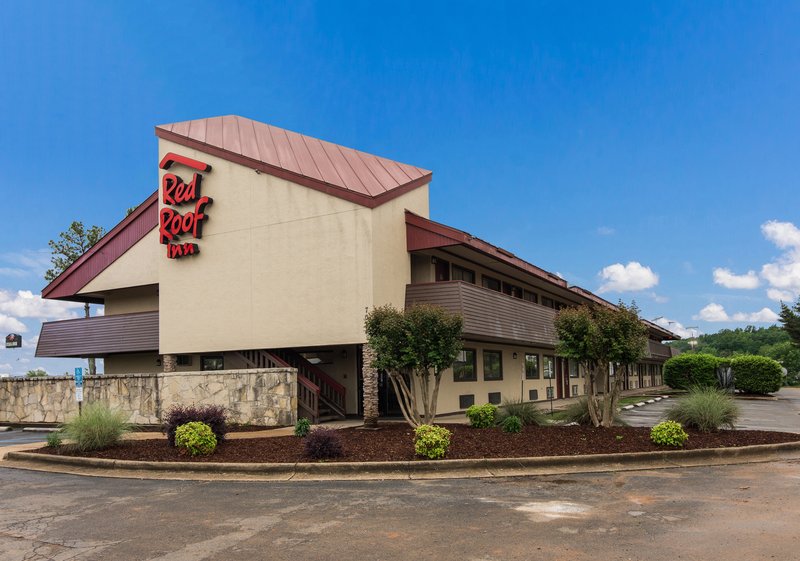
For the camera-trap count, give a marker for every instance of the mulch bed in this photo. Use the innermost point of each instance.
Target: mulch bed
(395, 442)
(231, 428)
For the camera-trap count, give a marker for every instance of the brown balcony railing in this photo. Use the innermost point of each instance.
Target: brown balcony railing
(489, 315)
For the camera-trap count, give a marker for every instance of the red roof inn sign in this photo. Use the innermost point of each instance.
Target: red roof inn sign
(176, 192)
(13, 341)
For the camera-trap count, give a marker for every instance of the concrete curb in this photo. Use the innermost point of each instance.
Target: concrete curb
(423, 469)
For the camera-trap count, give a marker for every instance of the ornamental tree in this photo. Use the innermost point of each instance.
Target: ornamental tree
(414, 347)
(597, 337)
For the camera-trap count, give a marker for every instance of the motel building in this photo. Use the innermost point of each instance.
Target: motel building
(264, 248)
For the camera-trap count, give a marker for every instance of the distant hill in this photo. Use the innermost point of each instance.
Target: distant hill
(771, 341)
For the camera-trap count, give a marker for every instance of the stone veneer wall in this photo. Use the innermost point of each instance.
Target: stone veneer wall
(265, 396)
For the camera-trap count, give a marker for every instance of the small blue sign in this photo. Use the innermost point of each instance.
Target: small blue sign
(79, 377)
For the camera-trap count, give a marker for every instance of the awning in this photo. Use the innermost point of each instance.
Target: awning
(99, 336)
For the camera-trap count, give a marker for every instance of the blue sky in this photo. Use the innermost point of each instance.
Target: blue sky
(635, 148)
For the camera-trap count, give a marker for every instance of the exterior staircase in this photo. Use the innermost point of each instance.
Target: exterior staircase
(320, 398)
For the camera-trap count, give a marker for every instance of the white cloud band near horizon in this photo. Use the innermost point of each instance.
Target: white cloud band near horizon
(716, 313)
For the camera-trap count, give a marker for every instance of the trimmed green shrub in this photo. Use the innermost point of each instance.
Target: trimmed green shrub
(482, 416)
(687, 370)
(669, 433)
(512, 423)
(302, 427)
(431, 441)
(323, 444)
(97, 427)
(54, 440)
(756, 374)
(212, 415)
(528, 413)
(578, 412)
(196, 438)
(705, 409)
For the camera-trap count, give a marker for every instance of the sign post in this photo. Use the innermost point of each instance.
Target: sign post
(79, 389)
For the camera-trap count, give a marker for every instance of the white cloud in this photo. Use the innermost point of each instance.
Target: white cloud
(675, 326)
(716, 313)
(25, 304)
(726, 278)
(659, 298)
(606, 231)
(783, 274)
(7, 323)
(625, 278)
(32, 262)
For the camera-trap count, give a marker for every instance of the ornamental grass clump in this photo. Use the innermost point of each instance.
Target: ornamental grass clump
(431, 441)
(669, 433)
(323, 444)
(212, 415)
(482, 416)
(195, 438)
(706, 409)
(512, 424)
(578, 412)
(54, 439)
(97, 427)
(527, 412)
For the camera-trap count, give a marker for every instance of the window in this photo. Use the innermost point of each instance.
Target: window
(512, 290)
(548, 367)
(548, 302)
(490, 283)
(464, 367)
(533, 395)
(574, 391)
(530, 296)
(212, 363)
(550, 393)
(184, 360)
(494, 398)
(492, 365)
(462, 274)
(442, 270)
(465, 401)
(531, 366)
(573, 368)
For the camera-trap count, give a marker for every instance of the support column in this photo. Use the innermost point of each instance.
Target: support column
(370, 386)
(170, 363)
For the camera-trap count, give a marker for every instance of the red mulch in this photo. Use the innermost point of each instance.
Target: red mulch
(394, 442)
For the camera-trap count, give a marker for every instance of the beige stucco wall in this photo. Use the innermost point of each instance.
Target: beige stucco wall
(133, 362)
(136, 267)
(512, 386)
(259, 396)
(280, 265)
(131, 300)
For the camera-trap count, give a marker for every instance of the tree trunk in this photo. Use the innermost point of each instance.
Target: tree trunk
(92, 365)
(369, 376)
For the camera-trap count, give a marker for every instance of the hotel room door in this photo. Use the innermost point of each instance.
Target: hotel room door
(562, 378)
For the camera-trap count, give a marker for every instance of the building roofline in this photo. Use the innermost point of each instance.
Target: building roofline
(108, 249)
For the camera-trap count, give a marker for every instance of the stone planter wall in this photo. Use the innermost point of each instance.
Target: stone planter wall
(256, 396)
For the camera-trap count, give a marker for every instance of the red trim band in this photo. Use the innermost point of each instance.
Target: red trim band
(172, 158)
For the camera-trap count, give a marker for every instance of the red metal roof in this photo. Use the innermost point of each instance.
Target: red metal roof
(342, 172)
(110, 247)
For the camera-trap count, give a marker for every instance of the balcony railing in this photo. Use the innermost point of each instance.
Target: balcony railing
(489, 315)
(99, 335)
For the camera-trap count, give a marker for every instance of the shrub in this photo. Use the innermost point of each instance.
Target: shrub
(528, 413)
(668, 433)
(688, 370)
(756, 374)
(97, 427)
(196, 438)
(705, 409)
(212, 415)
(482, 416)
(431, 441)
(54, 440)
(578, 412)
(512, 423)
(302, 427)
(323, 444)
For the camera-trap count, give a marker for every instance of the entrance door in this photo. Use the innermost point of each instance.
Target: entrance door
(442, 270)
(562, 378)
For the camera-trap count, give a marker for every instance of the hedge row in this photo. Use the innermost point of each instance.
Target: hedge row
(751, 373)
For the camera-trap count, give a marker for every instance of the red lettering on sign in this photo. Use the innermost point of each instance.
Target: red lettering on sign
(176, 251)
(173, 224)
(174, 191)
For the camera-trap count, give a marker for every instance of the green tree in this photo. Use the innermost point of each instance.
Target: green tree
(414, 347)
(38, 373)
(66, 249)
(790, 320)
(596, 337)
